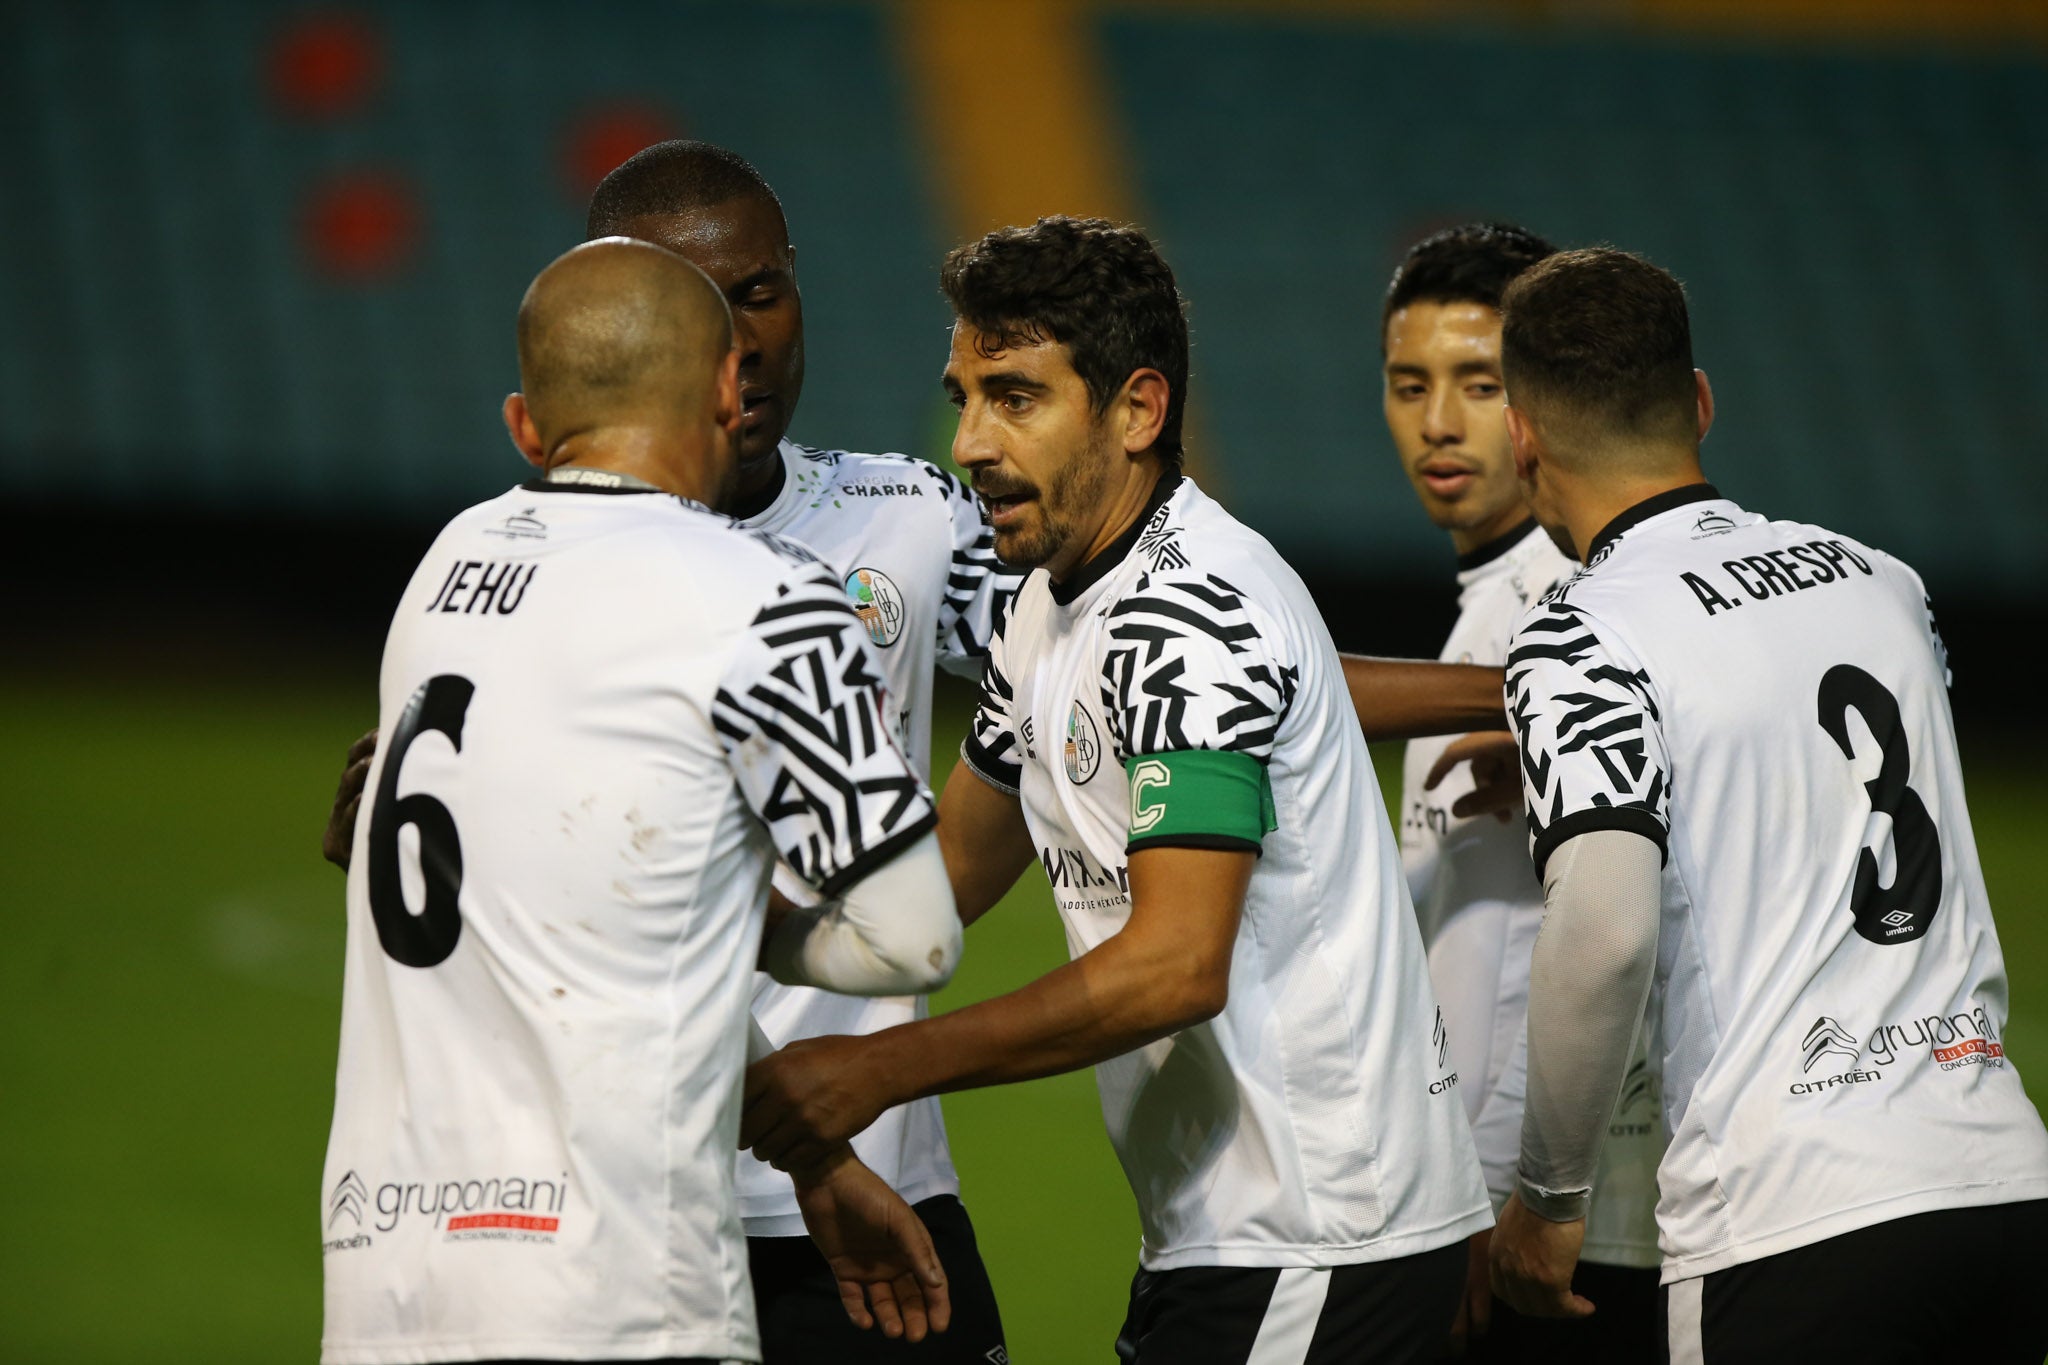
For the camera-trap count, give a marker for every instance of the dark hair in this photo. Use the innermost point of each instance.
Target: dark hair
(1601, 334)
(1470, 263)
(1099, 289)
(671, 177)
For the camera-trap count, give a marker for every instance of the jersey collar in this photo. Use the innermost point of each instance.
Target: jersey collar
(1112, 554)
(779, 508)
(1647, 508)
(1484, 555)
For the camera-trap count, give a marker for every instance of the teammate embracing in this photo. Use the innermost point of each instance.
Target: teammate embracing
(1477, 899)
(1742, 780)
(1164, 727)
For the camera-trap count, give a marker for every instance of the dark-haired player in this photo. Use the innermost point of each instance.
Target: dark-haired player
(1478, 902)
(1164, 727)
(1742, 780)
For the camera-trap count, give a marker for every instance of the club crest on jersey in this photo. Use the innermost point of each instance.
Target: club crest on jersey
(878, 604)
(1084, 747)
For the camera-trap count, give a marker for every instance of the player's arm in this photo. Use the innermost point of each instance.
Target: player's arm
(1411, 699)
(984, 839)
(1597, 788)
(879, 1251)
(801, 716)
(1168, 968)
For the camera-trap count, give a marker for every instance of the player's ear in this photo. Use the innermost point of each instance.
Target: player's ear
(519, 426)
(726, 410)
(1521, 440)
(1143, 403)
(1706, 401)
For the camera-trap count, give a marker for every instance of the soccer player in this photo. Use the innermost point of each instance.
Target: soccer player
(1478, 901)
(909, 546)
(555, 904)
(1164, 728)
(1742, 781)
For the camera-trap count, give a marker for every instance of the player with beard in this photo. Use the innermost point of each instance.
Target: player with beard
(919, 562)
(1165, 729)
(1478, 901)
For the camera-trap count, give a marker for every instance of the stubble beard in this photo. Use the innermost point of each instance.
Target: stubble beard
(1073, 491)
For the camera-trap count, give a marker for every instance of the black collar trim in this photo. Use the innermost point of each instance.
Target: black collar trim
(1483, 555)
(1091, 573)
(1647, 508)
(549, 486)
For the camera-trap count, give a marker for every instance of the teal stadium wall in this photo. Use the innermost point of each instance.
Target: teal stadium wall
(1862, 232)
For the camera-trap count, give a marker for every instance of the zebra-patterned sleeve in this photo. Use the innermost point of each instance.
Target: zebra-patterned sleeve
(978, 585)
(803, 719)
(991, 744)
(1188, 668)
(1585, 717)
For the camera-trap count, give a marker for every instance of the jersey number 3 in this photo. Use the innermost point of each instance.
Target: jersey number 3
(425, 939)
(1903, 911)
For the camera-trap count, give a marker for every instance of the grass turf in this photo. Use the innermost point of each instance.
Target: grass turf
(170, 995)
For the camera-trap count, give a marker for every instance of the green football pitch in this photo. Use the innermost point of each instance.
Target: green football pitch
(171, 986)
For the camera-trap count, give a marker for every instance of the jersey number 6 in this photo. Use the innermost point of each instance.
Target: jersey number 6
(427, 938)
(1901, 912)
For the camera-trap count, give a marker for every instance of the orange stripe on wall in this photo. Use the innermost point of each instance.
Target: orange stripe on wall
(1013, 101)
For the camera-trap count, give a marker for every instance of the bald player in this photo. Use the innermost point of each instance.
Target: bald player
(555, 904)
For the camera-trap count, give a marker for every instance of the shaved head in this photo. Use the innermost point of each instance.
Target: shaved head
(620, 332)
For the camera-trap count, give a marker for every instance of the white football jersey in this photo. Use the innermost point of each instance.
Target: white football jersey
(1313, 1121)
(605, 716)
(919, 564)
(1480, 906)
(1768, 702)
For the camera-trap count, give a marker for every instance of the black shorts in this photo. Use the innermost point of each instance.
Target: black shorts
(1952, 1287)
(1376, 1313)
(1627, 1326)
(803, 1322)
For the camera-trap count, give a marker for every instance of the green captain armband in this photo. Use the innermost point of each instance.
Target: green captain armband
(1199, 798)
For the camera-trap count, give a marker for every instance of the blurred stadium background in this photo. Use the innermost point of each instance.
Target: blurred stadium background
(260, 265)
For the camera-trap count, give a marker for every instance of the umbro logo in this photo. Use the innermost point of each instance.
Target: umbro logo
(1828, 1036)
(349, 1197)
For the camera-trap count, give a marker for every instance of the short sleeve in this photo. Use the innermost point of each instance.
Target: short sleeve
(1194, 691)
(803, 719)
(978, 585)
(991, 744)
(1585, 718)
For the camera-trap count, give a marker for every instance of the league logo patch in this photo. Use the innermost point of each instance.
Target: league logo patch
(878, 604)
(1084, 747)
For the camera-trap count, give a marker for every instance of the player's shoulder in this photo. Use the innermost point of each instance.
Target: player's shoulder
(882, 475)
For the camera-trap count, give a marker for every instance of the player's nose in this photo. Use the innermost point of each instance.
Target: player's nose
(974, 441)
(1442, 422)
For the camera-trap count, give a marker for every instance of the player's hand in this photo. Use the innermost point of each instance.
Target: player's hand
(1475, 1309)
(808, 1098)
(1533, 1261)
(340, 837)
(879, 1251)
(1496, 774)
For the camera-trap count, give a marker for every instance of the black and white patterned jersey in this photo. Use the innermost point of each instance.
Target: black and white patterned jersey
(1480, 906)
(1767, 701)
(1313, 1121)
(605, 717)
(918, 562)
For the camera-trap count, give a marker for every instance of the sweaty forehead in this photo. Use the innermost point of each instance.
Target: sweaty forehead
(1427, 333)
(728, 241)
